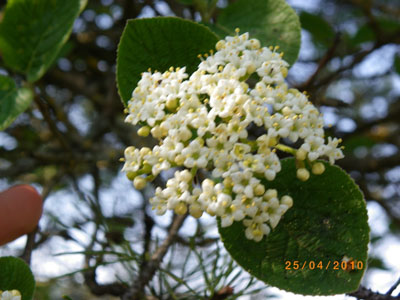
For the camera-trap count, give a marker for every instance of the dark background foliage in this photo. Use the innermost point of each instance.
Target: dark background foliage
(68, 144)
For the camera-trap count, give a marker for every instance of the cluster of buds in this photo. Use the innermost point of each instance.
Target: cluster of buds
(201, 122)
(10, 295)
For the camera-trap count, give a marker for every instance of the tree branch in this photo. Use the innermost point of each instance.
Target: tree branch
(393, 287)
(367, 294)
(30, 243)
(149, 269)
(322, 63)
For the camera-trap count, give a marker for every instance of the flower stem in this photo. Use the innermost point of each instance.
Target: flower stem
(286, 149)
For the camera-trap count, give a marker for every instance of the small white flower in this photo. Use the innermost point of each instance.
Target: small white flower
(313, 146)
(196, 155)
(331, 150)
(272, 166)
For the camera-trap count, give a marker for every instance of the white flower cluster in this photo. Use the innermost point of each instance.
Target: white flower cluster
(10, 295)
(202, 122)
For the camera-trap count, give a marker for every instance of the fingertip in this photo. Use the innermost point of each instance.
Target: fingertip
(21, 207)
(28, 192)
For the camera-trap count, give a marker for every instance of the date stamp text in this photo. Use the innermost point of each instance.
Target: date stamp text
(345, 265)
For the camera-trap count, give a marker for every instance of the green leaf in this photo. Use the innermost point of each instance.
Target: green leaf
(159, 43)
(321, 31)
(364, 34)
(15, 274)
(273, 22)
(13, 101)
(33, 31)
(327, 222)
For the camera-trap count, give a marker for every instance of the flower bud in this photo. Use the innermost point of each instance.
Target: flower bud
(301, 154)
(255, 44)
(318, 168)
(144, 151)
(181, 208)
(128, 151)
(144, 131)
(286, 111)
(139, 183)
(195, 211)
(271, 193)
(156, 132)
(287, 200)
(172, 104)
(179, 159)
(251, 69)
(303, 174)
(259, 189)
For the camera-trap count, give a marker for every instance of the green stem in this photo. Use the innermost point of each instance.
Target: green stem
(286, 149)
(193, 171)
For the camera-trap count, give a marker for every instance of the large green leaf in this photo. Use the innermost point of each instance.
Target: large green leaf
(159, 43)
(327, 223)
(33, 31)
(273, 22)
(13, 101)
(16, 275)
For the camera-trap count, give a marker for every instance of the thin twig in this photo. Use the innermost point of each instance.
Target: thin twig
(30, 242)
(52, 124)
(322, 63)
(394, 286)
(150, 268)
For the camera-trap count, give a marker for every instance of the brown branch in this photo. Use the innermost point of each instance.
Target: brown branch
(29, 246)
(115, 289)
(149, 269)
(223, 293)
(148, 227)
(357, 58)
(322, 63)
(51, 123)
(393, 287)
(30, 243)
(367, 294)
